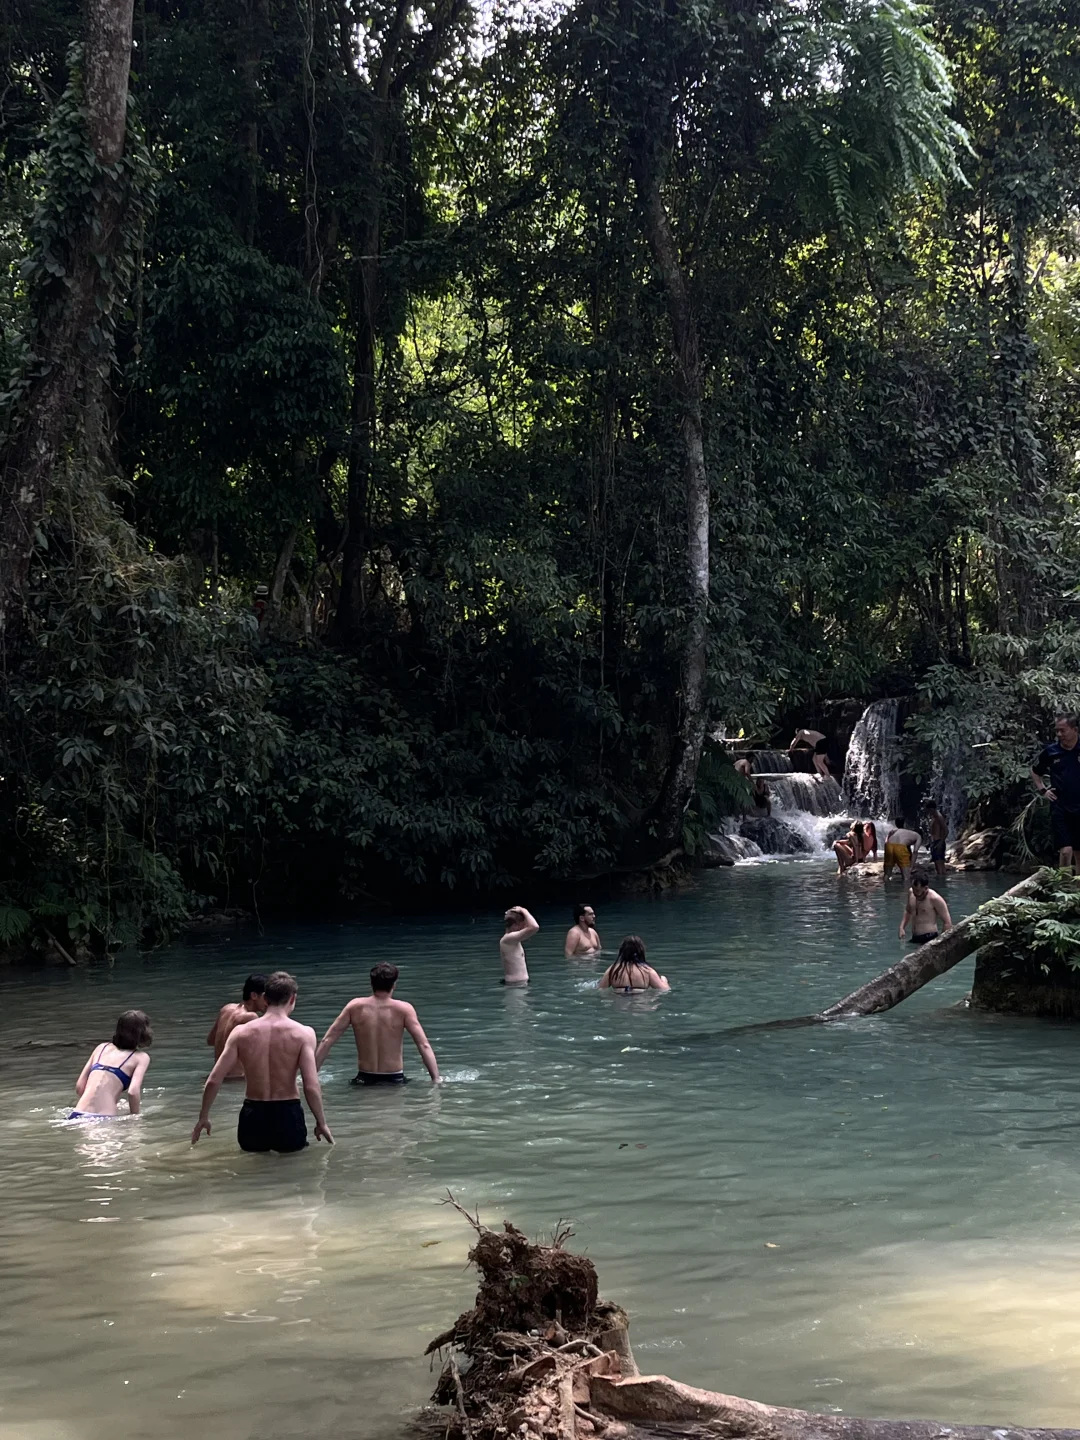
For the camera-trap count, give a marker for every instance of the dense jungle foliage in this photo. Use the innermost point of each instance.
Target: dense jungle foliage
(573, 379)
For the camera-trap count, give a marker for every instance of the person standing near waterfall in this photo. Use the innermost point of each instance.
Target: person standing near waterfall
(1059, 762)
(817, 744)
(939, 837)
(901, 847)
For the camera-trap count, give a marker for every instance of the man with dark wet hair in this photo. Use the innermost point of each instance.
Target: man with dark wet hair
(271, 1048)
(582, 938)
(238, 1013)
(378, 1024)
(924, 908)
(1056, 774)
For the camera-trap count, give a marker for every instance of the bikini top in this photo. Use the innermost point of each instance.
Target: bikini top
(121, 1075)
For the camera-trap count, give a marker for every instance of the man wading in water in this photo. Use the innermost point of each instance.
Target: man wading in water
(520, 926)
(378, 1022)
(1060, 760)
(229, 1016)
(582, 937)
(924, 908)
(271, 1049)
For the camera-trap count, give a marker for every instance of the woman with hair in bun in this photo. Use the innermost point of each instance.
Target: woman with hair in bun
(115, 1069)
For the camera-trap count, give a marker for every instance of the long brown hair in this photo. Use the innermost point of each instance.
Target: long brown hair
(631, 954)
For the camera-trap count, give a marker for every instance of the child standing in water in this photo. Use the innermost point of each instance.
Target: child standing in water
(115, 1069)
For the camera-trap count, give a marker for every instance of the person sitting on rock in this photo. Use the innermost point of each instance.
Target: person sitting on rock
(761, 797)
(850, 849)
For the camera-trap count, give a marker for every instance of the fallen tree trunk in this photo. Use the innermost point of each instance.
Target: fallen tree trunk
(921, 965)
(543, 1358)
(654, 1406)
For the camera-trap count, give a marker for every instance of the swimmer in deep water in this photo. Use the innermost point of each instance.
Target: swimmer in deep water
(582, 937)
(115, 1069)
(630, 973)
(520, 926)
(378, 1023)
(924, 908)
(271, 1049)
(238, 1013)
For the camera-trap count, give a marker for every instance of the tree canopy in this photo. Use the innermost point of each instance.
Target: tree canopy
(577, 379)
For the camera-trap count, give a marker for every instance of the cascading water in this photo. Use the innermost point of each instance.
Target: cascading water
(872, 773)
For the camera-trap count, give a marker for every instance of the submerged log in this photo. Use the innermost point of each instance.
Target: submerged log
(542, 1358)
(654, 1405)
(921, 965)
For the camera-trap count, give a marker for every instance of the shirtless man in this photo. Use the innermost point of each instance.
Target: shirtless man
(520, 926)
(901, 847)
(271, 1049)
(378, 1022)
(939, 837)
(923, 910)
(817, 744)
(229, 1016)
(744, 766)
(581, 938)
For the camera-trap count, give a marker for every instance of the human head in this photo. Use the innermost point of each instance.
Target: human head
(513, 918)
(920, 879)
(584, 914)
(254, 985)
(384, 977)
(931, 807)
(133, 1030)
(631, 952)
(858, 827)
(1065, 727)
(281, 989)
(899, 823)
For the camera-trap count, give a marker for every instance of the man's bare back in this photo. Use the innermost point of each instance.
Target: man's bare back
(378, 1024)
(271, 1049)
(229, 1017)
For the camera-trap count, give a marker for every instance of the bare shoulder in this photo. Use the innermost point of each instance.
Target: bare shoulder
(403, 1007)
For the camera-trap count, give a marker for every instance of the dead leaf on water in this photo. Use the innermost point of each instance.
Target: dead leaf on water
(427, 1244)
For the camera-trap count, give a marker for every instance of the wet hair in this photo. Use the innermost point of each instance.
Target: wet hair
(132, 1030)
(280, 988)
(579, 911)
(631, 953)
(919, 876)
(900, 823)
(384, 977)
(254, 985)
(858, 827)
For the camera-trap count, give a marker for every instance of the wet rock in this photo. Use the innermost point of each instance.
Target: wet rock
(717, 850)
(979, 850)
(774, 836)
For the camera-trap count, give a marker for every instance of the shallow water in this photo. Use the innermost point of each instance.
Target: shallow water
(881, 1217)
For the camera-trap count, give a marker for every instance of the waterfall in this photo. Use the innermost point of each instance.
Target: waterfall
(872, 773)
(771, 763)
(810, 794)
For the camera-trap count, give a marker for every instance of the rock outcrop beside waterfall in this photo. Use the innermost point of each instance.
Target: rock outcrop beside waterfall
(775, 836)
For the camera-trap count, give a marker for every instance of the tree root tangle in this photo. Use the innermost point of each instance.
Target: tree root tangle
(541, 1357)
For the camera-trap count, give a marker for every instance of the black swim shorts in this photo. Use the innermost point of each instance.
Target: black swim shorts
(271, 1125)
(380, 1077)
(1065, 825)
(924, 937)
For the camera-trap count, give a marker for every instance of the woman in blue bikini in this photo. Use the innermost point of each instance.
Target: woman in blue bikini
(114, 1069)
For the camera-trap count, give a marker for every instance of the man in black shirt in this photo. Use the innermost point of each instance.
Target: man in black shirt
(1059, 762)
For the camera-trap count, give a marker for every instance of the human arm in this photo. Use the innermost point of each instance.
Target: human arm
(657, 981)
(309, 1074)
(941, 910)
(605, 980)
(211, 1039)
(134, 1091)
(333, 1035)
(570, 948)
(529, 926)
(84, 1073)
(224, 1065)
(423, 1044)
(1039, 772)
(909, 912)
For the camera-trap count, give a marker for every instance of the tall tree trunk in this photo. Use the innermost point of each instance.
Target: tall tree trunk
(680, 778)
(71, 343)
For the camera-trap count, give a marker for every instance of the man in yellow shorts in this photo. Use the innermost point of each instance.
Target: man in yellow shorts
(901, 847)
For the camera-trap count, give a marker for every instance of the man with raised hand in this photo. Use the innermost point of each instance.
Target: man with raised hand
(519, 927)
(272, 1050)
(378, 1024)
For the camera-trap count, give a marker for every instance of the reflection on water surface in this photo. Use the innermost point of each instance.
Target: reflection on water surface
(879, 1218)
